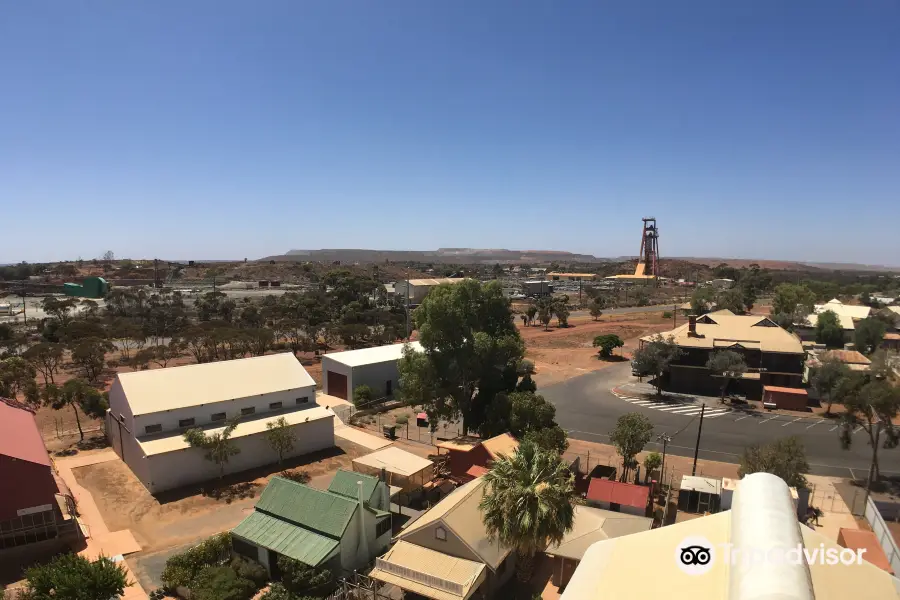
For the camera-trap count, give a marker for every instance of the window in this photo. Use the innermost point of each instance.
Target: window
(152, 428)
(248, 411)
(383, 527)
(217, 417)
(186, 422)
(303, 400)
(440, 534)
(388, 388)
(274, 405)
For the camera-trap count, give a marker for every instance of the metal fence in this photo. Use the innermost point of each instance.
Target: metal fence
(881, 531)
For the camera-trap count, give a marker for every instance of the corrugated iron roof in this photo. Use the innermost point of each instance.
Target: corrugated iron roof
(286, 538)
(835, 305)
(429, 282)
(159, 390)
(423, 570)
(318, 510)
(785, 390)
(20, 437)
(344, 483)
(395, 460)
(722, 331)
(501, 445)
(850, 357)
(594, 525)
(627, 494)
(370, 356)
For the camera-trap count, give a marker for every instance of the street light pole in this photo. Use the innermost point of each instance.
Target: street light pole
(665, 439)
(697, 447)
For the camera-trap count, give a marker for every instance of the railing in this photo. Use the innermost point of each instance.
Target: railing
(413, 575)
(881, 531)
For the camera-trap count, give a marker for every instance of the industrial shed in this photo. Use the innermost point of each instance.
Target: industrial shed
(151, 410)
(404, 470)
(343, 372)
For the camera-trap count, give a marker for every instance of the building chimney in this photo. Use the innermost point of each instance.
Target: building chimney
(363, 556)
(692, 325)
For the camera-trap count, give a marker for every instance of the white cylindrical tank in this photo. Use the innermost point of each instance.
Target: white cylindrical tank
(764, 527)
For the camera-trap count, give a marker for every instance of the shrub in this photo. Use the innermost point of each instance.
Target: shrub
(221, 583)
(182, 568)
(401, 420)
(667, 315)
(277, 592)
(363, 396)
(250, 569)
(301, 579)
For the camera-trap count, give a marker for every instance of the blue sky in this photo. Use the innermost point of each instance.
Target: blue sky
(222, 129)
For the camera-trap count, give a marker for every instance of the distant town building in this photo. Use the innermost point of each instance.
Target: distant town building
(343, 372)
(417, 289)
(572, 276)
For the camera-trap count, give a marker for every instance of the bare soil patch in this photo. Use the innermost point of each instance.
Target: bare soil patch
(179, 516)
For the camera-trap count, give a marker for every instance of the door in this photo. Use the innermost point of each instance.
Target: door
(337, 385)
(389, 388)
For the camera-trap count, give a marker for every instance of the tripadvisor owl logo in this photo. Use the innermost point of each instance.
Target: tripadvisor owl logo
(695, 555)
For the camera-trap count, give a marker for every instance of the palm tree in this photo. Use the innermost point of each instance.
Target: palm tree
(527, 503)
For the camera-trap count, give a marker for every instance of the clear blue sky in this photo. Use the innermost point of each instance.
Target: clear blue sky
(222, 129)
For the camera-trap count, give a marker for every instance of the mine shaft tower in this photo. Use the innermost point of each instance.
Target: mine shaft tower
(648, 257)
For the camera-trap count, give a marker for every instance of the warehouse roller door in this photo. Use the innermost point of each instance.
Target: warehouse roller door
(337, 385)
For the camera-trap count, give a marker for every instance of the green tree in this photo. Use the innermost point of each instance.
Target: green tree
(531, 311)
(596, 308)
(873, 405)
(652, 462)
(868, 334)
(607, 344)
(363, 396)
(60, 309)
(218, 447)
(829, 330)
(471, 352)
(46, 357)
(549, 439)
(785, 458)
(527, 503)
(280, 436)
(73, 577)
(731, 299)
(545, 311)
(89, 355)
(561, 310)
(75, 394)
(528, 412)
(300, 579)
(728, 365)
(702, 299)
(632, 432)
(17, 376)
(525, 370)
(826, 377)
(791, 299)
(653, 358)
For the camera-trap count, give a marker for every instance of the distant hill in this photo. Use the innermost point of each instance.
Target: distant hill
(788, 265)
(441, 255)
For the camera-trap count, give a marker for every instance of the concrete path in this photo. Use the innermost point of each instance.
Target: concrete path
(99, 539)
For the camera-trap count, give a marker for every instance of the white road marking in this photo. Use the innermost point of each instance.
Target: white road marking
(814, 424)
(684, 409)
(718, 413)
(689, 414)
(833, 428)
(857, 429)
(642, 402)
(676, 407)
(767, 420)
(794, 421)
(738, 419)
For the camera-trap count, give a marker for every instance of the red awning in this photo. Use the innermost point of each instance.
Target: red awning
(625, 494)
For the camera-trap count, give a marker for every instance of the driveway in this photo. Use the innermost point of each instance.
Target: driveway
(588, 409)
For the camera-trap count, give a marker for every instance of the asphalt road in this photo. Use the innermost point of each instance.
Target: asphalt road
(588, 410)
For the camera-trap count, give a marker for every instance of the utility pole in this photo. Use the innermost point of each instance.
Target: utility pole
(665, 439)
(407, 304)
(697, 447)
(24, 306)
(872, 466)
(674, 316)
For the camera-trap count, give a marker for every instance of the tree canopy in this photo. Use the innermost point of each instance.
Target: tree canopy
(607, 344)
(73, 577)
(791, 298)
(632, 432)
(652, 359)
(825, 379)
(829, 330)
(868, 334)
(728, 365)
(785, 458)
(470, 352)
(872, 404)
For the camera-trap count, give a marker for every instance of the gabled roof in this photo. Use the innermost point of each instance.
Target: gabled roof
(617, 492)
(850, 357)
(369, 356)
(846, 321)
(159, 390)
(428, 572)
(719, 330)
(460, 513)
(286, 538)
(19, 435)
(594, 525)
(394, 460)
(429, 282)
(344, 483)
(501, 445)
(835, 305)
(321, 511)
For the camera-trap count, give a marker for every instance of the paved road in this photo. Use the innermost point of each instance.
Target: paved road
(586, 407)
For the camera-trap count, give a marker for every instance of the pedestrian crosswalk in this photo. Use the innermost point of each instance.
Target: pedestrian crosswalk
(687, 409)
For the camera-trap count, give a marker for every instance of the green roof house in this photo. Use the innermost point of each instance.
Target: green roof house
(342, 528)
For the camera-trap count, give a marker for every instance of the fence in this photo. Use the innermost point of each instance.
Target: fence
(881, 531)
(828, 499)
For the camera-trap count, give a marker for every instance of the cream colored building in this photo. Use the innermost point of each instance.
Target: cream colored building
(149, 412)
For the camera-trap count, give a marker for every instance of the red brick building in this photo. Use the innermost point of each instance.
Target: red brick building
(28, 508)
(471, 457)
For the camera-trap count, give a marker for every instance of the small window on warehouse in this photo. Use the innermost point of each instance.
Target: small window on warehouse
(152, 428)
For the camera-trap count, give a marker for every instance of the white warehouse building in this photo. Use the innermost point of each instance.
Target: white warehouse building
(343, 372)
(149, 412)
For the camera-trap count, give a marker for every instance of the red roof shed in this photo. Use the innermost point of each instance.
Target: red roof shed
(23, 460)
(615, 492)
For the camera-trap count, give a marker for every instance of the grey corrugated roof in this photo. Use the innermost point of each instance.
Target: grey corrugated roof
(318, 510)
(286, 538)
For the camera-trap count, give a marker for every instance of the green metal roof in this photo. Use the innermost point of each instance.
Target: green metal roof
(344, 483)
(286, 538)
(321, 511)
